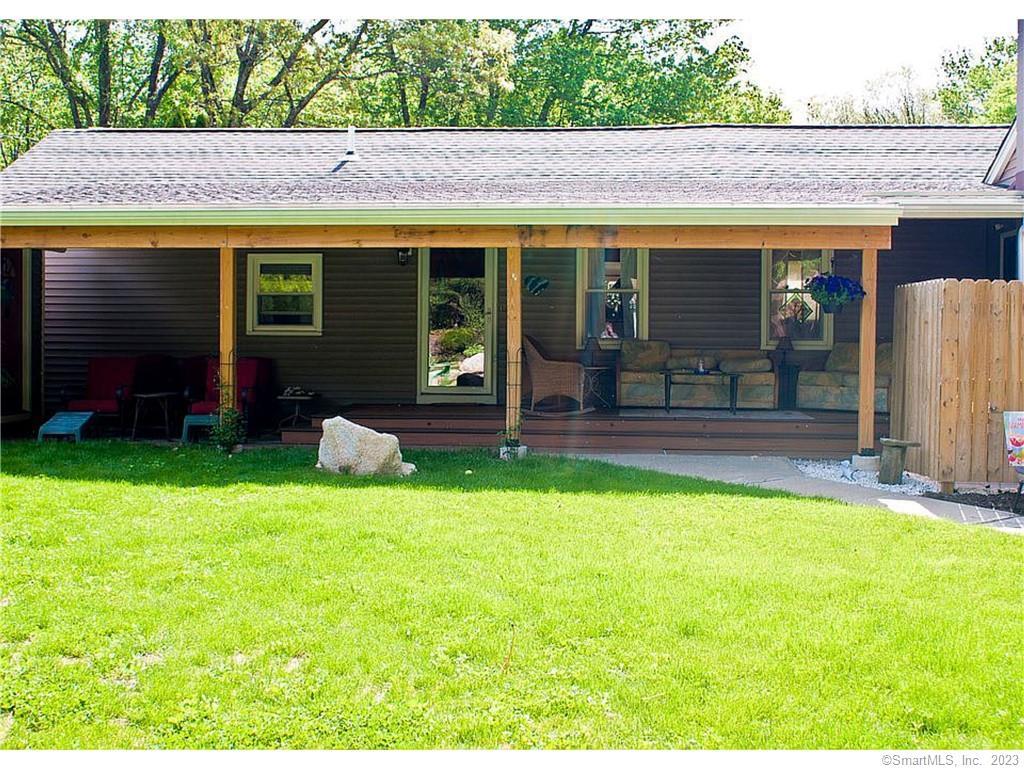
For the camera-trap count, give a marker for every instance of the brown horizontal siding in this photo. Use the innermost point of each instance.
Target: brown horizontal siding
(921, 250)
(367, 352)
(550, 318)
(102, 303)
(709, 299)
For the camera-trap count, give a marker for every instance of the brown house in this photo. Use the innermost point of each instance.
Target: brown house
(396, 272)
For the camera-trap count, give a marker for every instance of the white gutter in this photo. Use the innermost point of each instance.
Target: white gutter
(886, 214)
(1005, 208)
(878, 214)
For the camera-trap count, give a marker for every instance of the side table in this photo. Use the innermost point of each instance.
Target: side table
(592, 389)
(297, 401)
(162, 399)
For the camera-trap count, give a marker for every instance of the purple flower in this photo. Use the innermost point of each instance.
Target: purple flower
(834, 289)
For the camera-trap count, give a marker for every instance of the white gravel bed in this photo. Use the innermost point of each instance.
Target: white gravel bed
(843, 472)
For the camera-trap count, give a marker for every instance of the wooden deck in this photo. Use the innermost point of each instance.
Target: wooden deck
(810, 434)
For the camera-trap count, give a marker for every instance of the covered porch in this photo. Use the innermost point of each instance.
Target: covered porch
(421, 421)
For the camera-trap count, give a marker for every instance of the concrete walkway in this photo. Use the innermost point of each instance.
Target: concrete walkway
(781, 474)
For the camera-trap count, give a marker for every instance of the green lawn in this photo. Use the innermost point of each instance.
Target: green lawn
(183, 598)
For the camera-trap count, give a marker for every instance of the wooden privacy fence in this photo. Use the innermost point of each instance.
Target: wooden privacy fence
(958, 363)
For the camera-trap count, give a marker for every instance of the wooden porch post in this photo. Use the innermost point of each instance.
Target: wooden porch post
(228, 323)
(513, 340)
(866, 394)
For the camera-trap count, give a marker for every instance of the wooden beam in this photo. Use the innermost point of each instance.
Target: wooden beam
(113, 237)
(228, 325)
(866, 394)
(725, 237)
(513, 341)
(311, 236)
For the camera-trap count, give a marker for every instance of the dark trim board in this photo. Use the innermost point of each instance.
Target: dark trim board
(822, 434)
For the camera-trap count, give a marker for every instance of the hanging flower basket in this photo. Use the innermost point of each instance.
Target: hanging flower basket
(833, 292)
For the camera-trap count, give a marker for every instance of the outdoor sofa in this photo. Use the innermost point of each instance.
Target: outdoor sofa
(836, 388)
(641, 377)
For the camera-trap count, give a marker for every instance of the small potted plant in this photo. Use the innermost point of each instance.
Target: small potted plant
(510, 447)
(833, 292)
(229, 432)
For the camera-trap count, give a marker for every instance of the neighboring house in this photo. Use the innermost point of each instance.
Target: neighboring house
(348, 260)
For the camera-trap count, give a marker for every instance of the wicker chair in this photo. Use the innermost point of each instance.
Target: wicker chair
(552, 377)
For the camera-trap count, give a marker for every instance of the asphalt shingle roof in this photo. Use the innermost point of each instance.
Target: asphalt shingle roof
(707, 164)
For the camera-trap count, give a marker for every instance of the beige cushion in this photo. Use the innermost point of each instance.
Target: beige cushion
(821, 378)
(644, 355)
(838, 379)
(700, 379)
(845, 357)
(748, 364)
(883, 359)
(641, 377)
(762, 379)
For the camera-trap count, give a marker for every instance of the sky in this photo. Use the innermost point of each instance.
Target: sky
(800, 57)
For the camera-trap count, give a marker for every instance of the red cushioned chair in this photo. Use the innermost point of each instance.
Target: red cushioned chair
(109, 385)
(253, 374)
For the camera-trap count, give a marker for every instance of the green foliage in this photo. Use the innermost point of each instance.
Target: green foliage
(263, 73)
(610, 72)
(457, 301)
(229, 431)
(456, 341)
(162, 598)
(284, 284)
(980, 88)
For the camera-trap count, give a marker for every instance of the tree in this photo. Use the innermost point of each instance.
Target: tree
(66, 74)
(264, 72)
(634, 71)
(893, 99)
(433, 72)
(980, 88)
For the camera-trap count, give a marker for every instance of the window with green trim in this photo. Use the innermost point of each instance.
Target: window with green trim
(611, 295)
(285, 294)
(787, 308)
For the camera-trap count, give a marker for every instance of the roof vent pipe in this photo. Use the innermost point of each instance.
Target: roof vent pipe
(351, 151)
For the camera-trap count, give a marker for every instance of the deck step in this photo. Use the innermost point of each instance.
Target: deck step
(819, 435)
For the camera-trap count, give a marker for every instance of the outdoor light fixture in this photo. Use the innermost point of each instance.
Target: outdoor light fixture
(404, 254)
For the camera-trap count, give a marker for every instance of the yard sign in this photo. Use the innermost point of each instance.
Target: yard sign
(1014, 424)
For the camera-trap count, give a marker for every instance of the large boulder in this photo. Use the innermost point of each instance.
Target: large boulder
(353, 449)
(473, 364)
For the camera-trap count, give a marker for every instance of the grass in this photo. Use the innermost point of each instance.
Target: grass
(183, 598)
